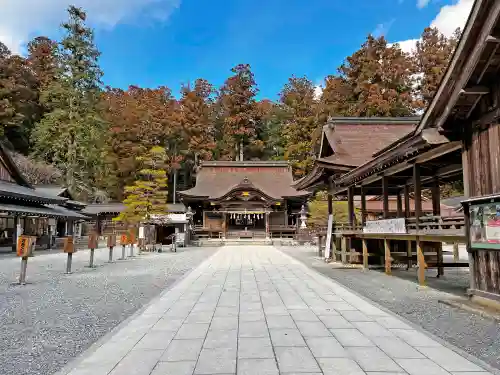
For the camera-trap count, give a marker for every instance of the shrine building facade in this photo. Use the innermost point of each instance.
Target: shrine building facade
(244, 199)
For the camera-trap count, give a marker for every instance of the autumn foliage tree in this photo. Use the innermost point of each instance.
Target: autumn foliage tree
(148, 194)
(237, 109)
(300, 130)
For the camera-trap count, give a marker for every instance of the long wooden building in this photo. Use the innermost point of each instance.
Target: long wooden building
(458, 138)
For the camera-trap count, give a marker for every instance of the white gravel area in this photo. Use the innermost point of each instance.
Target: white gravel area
(55, 317)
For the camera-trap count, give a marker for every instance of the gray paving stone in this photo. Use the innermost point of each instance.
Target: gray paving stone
(280, 321)
(224, 323)
(421, 367)
(206, 306)
(221, 339)
(286, 337)
(261, 366)
(216, 361)
(391, 322)
(174, 368)
(313, 329)
(254, 316)
(341, 306)
(373, 359)
(222, 311)
(192, 331)
(372, 329)
(91, 370)
(183, 350)
(155, 340)
(166, 324)
(253, 329)
(255, 348)
(304, 316)
(298, 359)
(324, 311)
(200, 317)
(138, 362)
(351, 337)
(340, 366)
(471, 373)
(276, 310)
(396, 348)
(335, 321)
(415, 338)
(326, 347)
(449, 360)
(356, 316)
(331, 298)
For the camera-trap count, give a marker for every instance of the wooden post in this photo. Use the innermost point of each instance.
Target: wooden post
(363, 207)
(418, 193)
(436, 211)
(456, 254)
(365, 254)
(385, 192)
(350, 205)
(409, 254)
(400, 205)
(407, 201)
(343, 249)
(387, 249)
(421, 264)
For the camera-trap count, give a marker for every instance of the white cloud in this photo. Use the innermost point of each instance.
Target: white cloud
(422, 3)
(449, 18)
(22, 19)
(318, 91)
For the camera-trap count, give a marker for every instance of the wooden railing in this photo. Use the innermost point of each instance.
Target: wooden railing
(436, 225)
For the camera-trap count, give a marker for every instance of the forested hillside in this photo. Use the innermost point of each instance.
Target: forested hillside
(58, 117)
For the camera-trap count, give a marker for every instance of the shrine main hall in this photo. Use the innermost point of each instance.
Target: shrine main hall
(245, 199)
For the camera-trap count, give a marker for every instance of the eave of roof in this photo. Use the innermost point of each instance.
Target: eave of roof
(41, 211)
(12, 190)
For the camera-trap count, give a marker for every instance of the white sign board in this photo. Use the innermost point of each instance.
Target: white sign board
(328, 242)
(180, 237)
(141, 232)
(385, 226)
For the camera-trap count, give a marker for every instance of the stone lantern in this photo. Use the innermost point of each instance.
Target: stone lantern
(303, 217)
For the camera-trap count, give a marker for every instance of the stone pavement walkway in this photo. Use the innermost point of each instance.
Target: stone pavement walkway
(255, 311)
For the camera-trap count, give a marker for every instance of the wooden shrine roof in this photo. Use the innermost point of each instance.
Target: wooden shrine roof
(348, 142)
(217, 178)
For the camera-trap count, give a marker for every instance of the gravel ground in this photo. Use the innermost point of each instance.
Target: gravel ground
(470, 332)
(55, 317)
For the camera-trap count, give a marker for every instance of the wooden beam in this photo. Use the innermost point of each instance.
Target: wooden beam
(492, 39)
(469, 66)
(385, 192)
(421, 264)
(438, 151)
(487, 118)
(440, 172)
(475, 90)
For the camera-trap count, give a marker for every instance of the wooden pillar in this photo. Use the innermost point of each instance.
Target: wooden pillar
(224, 225)
(407, 201)
(385, 192)
(363, 206)
(409, 254)
(456, 254)
(436, 201)
(400, 205)
(365, 253)
(343, 249)
(418, 192)
(267, 226)
(387, 252)
(421, 264)
(14, 233)
(350, 205)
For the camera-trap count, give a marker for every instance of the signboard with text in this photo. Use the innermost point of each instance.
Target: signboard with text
(385, 226)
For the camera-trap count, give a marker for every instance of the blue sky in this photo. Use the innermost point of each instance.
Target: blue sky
(189, 39)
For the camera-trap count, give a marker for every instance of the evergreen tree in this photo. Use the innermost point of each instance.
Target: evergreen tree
(148, 195)
(70, 135)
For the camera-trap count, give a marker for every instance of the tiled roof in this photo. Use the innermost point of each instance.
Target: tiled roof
(117, 207)
(47, 210)
(355, 142)
(215, 179)
(9, 189)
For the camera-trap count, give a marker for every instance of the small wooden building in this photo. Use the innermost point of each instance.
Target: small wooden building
(244, 199)
(26, 210)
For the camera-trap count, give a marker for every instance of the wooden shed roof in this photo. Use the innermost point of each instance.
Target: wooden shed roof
(216, 179)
